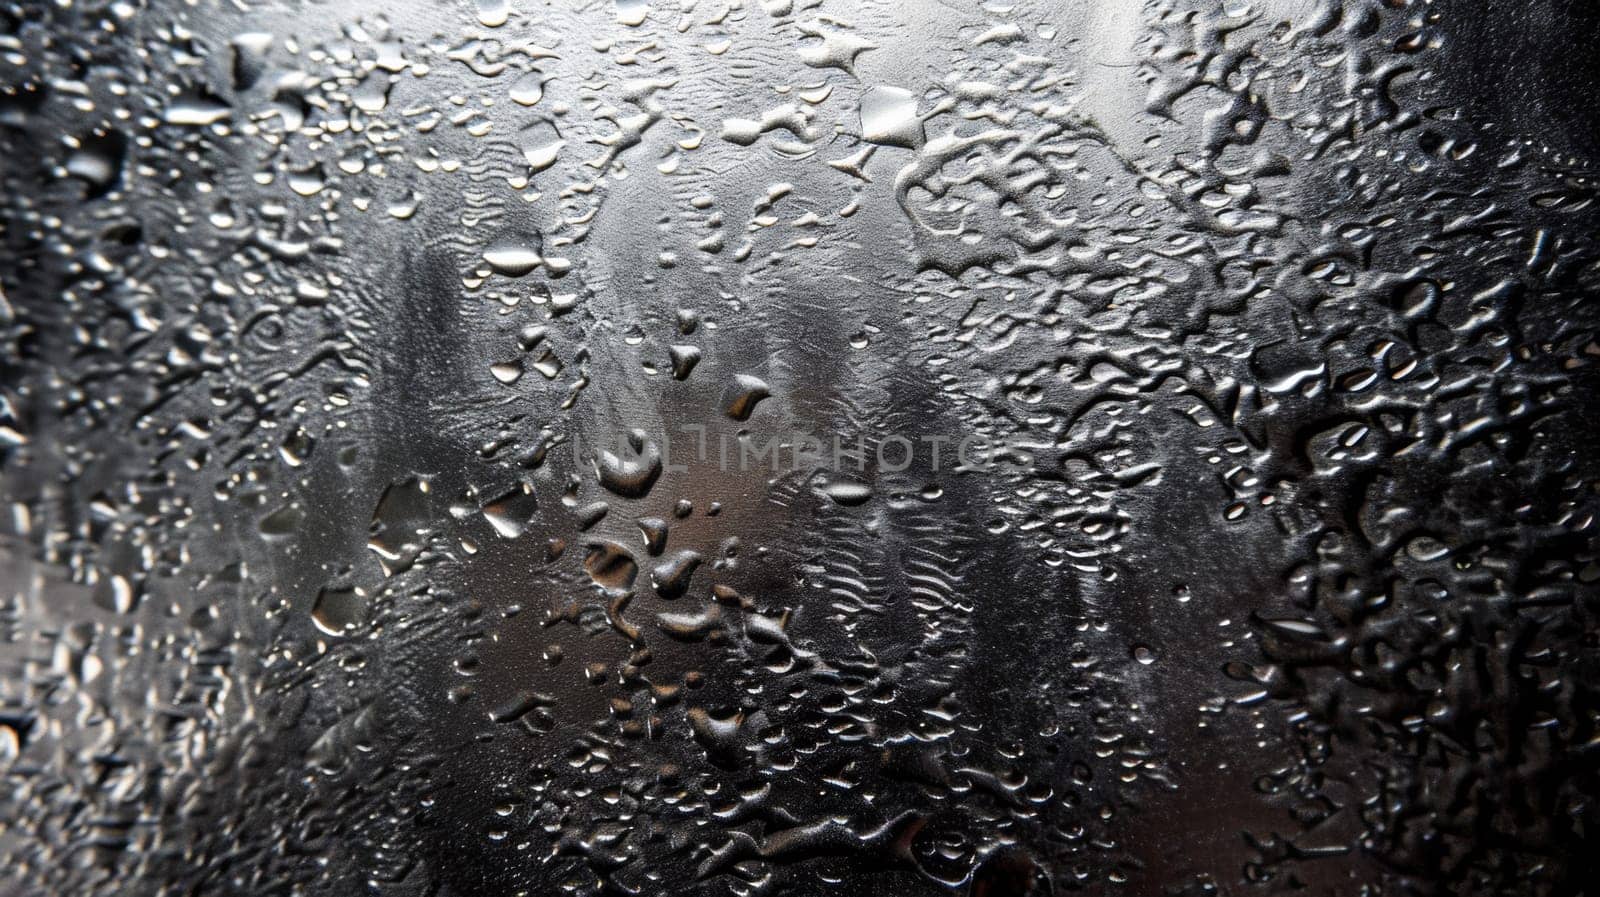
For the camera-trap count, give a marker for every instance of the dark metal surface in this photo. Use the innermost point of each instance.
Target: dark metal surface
(798, 447)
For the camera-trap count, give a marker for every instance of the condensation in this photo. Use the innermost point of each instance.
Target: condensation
(750, 448)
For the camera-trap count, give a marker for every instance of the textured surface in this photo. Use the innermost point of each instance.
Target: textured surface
(1283, 311)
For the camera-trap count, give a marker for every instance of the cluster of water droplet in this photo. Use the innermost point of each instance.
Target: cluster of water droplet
(326, 571)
